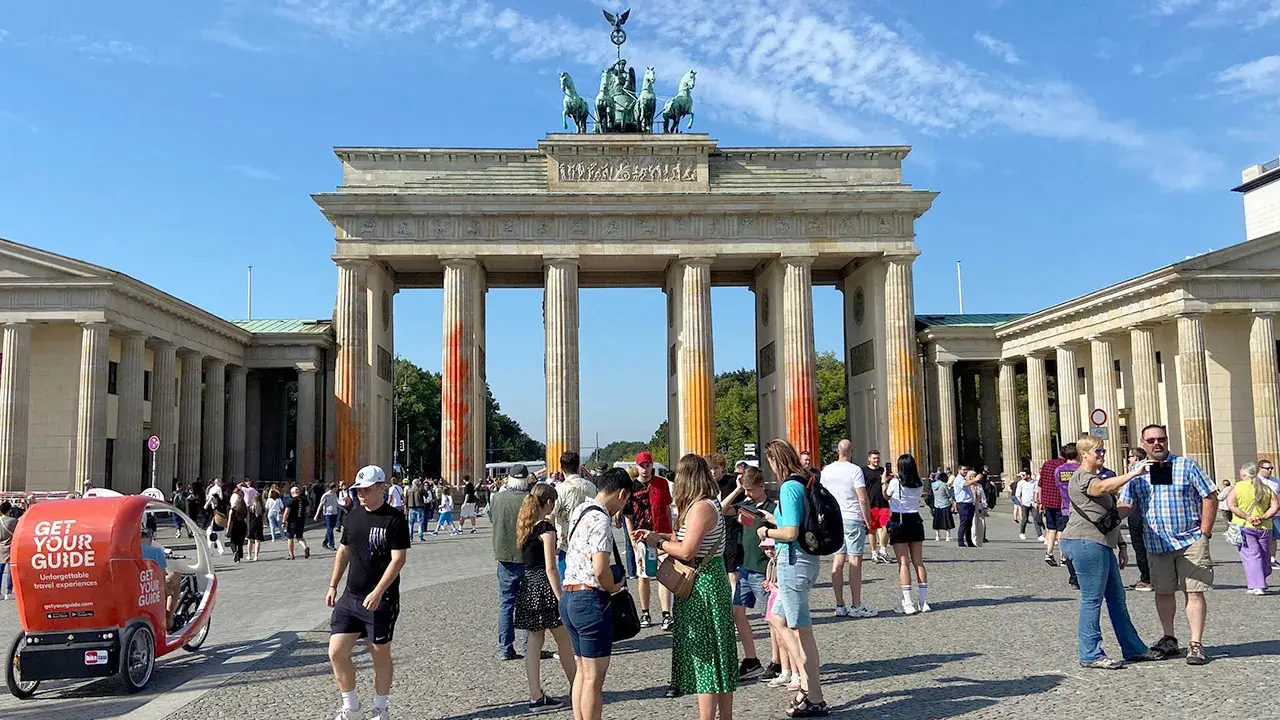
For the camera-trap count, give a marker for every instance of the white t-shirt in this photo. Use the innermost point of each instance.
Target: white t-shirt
(1271, 483)
(842, 480)
(1027, 492)
(903, 499)
(395, 496)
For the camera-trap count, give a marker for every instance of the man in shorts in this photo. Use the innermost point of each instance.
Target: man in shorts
(375, 543)
(845, 482)
(1179, 505)
(878, 517)
(295, 521)
(747, 496)
(1049, 503)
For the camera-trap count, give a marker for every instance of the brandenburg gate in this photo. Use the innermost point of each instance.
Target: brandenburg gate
(674, 211)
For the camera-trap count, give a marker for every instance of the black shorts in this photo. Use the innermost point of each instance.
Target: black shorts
(295, 529)
(350, 616)
(905, 528)
(1054, 519)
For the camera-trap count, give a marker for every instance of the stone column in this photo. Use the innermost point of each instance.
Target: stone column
(129, 452)
(695, 362)
(969, 440)
(1262, 368)
(903, 381)
(305, 441)
(458, 450)
(15, 391)
(253, 426)
(990, 433)
(1146, 387)
(1104, 388)
(164, 416)
(351, 386)
(1193, 392)
(799, 357)
(1038, 402)
(189, 418)
(1009, 418)
(214, 422)
(1069, 425)
(237, 379)
(91, 416)
(947, 414)
(560, 319)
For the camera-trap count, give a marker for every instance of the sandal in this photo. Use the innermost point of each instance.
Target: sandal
(1166, 647)
(806, 708)
(1195, 654)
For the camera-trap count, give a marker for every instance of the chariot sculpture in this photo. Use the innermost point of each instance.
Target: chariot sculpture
(619, 107)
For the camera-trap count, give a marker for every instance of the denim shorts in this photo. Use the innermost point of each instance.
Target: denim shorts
(750, 588)
(797, 573)
(1054, 519)
(855, 539)
(589, 619)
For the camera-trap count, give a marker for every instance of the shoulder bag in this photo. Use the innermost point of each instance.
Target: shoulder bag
(1110, 519)
(679, 576)
(1234, 535)
(626, 623)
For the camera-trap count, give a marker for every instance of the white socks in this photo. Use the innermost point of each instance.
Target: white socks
(379, 702)
(923, 589)
(350, 701)
(906, 595)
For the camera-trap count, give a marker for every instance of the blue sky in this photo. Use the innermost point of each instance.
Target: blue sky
(179, 142)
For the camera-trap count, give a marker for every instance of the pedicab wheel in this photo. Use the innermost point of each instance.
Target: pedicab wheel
(13, 673)
(138, 659)
(198, 639)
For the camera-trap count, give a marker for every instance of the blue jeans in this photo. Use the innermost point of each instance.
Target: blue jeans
(964, 537)
(330, 523)
(510, 575)
(630, 560)
(1099, 574)
(418, 517)
(274, 525)
(6, 579)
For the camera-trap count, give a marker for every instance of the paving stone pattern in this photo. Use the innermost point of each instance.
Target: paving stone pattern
(999, 643)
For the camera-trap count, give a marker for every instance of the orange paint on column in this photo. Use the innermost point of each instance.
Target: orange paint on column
(698, 418)
(455, 410)
(350, 429)
(802, 410)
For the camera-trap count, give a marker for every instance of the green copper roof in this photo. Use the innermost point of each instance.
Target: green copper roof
(306, 327)
(966, 320)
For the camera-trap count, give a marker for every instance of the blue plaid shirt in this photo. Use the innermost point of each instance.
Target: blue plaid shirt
(1171, 512)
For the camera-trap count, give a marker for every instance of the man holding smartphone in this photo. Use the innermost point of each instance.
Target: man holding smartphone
(1178, 505)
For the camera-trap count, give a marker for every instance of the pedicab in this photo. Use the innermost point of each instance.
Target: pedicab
(91, 604)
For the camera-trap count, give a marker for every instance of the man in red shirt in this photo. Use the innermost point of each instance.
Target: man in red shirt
(1049, 503)
(649, 509)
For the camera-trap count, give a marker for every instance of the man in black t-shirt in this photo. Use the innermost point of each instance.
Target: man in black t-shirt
(375, 543)
(877, 524)
(295, 520)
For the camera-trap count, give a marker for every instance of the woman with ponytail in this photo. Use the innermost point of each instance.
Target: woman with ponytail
(538, 600)
(1252, 506)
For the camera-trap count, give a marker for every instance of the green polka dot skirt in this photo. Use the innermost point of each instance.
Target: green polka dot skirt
(705, 656)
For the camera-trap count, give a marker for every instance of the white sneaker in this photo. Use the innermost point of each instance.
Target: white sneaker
(909, 608)
(1040, 539)
(345, 714)
(1022, 536)
(794, 685)
(1255, 591)
(861, 611)
(783, 679)
(842, 611)
(924, 607)
(381, 714)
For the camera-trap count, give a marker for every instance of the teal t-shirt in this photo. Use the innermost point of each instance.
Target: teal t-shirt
(790, 507)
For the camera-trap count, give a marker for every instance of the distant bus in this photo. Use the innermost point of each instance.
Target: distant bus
(495, 471)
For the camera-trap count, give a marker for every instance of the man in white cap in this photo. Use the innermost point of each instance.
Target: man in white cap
(375, 542)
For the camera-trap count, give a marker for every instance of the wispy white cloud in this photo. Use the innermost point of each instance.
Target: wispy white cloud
(253, 173)
(224, 35)
(787, 67)
(108, 51)
(1259, 77)
(1249, 14)
(999, 48)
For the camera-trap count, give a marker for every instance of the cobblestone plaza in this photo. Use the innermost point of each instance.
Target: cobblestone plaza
(999, 644)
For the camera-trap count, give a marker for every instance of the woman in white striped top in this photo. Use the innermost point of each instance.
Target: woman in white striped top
(705, 657)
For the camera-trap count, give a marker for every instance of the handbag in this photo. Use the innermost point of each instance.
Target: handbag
(626, 622)
(678, 576)
(1110, 520)
(1234, 535)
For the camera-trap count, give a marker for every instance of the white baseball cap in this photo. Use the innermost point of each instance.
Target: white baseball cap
(369, 476)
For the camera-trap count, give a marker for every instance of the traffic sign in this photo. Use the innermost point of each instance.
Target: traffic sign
(1099, 432)
(153, 443)
(1098, 417)
(749, 449)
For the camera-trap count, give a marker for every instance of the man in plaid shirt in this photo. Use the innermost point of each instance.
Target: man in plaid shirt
(1049, 503)
(1179, 519)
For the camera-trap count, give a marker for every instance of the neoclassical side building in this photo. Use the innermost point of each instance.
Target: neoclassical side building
(1191, 346)
(94, 362)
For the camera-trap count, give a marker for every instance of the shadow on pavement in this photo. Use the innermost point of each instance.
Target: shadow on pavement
(989, 602)
(1245, 650)
(949, 697)
(833, 673)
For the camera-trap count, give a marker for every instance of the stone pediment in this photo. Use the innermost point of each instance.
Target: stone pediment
(1261, 254)
(23, 261)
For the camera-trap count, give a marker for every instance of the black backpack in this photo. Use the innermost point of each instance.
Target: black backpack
(821, 527)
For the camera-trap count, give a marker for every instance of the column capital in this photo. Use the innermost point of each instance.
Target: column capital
(1008, 362)
(805, 260)
(237, 369)
(96, 326)
(305, 367)
(124, 333)
(1038, 354)
(560, 261)
(17, 325)
(902, 258)
(1147, 325)
(355, 263)
(214, 363)
(159, 344)
(948, 363)
(460, 262)
(1066, 346)
(1197, 315)
(185, 352)
(1265, 314)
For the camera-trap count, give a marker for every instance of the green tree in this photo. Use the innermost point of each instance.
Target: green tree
(417, 403)
(620, 450)
(658, 445)
(737, 422)
(833, 411)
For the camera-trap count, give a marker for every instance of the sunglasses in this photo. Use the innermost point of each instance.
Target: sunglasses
(1156, 440)
(1265, 467)
(1100, 452)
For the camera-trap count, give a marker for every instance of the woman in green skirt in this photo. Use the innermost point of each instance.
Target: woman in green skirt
(705, 657)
